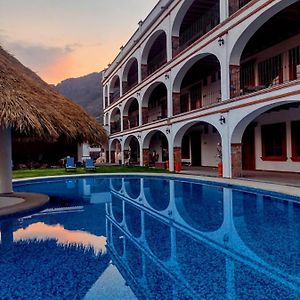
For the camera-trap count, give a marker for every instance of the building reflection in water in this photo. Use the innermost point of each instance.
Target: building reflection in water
(193, 240)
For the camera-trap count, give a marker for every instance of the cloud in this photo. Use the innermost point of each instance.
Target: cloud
(37, 56)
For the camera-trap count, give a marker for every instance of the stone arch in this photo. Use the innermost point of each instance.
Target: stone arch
(155, 103)
(132, 150)
(154, 53)
(131, 113)
(244, 37)
(130, 74)
(115, 150)
(115, 120)
(197, 83)
(115, 88)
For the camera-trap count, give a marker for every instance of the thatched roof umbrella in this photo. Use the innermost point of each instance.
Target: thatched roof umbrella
(31, 107)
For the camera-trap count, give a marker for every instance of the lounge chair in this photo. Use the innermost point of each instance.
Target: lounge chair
(70, 164)
(89, 165)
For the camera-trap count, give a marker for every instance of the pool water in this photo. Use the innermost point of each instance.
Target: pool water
(151, 238)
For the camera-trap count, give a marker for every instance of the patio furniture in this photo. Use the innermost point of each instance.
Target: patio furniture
(70, 164)
(89, 165)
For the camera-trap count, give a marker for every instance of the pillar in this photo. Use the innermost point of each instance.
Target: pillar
(176, 103)
(236, 160)
(146, 153)
(124, 87)
(144, 115)
(175, 45)
(224, 10)
(5, 161)
(177, 158)
(233, 6)
(125, 123)
(144, 69)
(113, 157)
(234, 71)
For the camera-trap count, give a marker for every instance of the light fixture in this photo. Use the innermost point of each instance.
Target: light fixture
(139, 136)
(222, 120)
(138, 94)
(221, 41)
(140, 23)
(167, 76)
(168, 130)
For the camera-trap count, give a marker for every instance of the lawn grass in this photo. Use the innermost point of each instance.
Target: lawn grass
(29, 173)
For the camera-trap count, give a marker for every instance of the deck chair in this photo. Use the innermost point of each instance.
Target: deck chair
(89, 165)
(70, 164)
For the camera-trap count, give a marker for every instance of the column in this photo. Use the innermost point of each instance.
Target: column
(234, 73)
(175, 45)
(141, 154)
(236, 160)
(125, 123)
(176, 103)
(171, 156)
(224, 10)
(144, 115)
(5, 161)
(146, 153)
(121, 118)
(144, 71)
(177, 159)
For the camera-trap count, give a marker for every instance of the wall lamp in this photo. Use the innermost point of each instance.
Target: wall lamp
(167, 76)
(221, 41)
(138, 94)
(222, 120)
(139, 136)
(168, 131)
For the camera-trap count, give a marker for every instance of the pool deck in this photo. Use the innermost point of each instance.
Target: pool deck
(17, 203)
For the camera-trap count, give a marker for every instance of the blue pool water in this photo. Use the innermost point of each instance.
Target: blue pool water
(151, 238)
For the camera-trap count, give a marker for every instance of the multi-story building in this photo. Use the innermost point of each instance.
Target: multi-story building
(204, 73)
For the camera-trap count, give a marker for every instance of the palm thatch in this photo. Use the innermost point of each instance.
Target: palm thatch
(33, 108)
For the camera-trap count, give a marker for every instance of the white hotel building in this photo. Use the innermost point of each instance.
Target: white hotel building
(198, 73)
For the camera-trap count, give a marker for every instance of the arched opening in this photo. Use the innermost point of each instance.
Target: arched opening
(155, 150)
(195, 19)
(132, 151)
(196, 146)
(115, 89)
(131, 114)
(115, 121)
(105, 96)
(270, 57)
(155, 54)
(116, 152)
(271, 142)
(130, 76)
(198, 85)
(155, 103)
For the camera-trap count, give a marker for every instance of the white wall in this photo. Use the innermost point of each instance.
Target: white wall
(271, 118)
(209, 151)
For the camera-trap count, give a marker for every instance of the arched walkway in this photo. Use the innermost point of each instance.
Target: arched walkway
(132, 150)
(154, 54)
(131, 114)
(154, 105)
(115, 89)
(197, 84)
(115, 121)
(130, 75)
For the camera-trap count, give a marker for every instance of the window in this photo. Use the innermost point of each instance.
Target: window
(295, 127)
(274, 142)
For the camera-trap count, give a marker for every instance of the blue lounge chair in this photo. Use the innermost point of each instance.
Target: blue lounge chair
(70, 164)
(89, 165)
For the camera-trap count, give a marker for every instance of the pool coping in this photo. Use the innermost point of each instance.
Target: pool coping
(280, 189)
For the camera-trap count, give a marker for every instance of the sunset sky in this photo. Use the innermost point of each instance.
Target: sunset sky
(59, 39)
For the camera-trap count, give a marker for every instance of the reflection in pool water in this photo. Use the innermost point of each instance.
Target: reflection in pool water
(120, 238)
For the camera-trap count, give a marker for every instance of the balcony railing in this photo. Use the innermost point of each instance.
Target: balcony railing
(235, 5)
(201, 26)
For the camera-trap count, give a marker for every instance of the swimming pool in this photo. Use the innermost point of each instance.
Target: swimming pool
(151, 238)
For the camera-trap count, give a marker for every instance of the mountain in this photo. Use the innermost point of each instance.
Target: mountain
(85, 91)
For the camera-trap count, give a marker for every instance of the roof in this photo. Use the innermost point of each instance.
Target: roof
(30, 106)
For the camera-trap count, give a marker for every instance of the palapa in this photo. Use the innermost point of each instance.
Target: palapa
(31, 107)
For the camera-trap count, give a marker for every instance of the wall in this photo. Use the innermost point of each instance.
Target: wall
(270, 118)
(209, 144)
